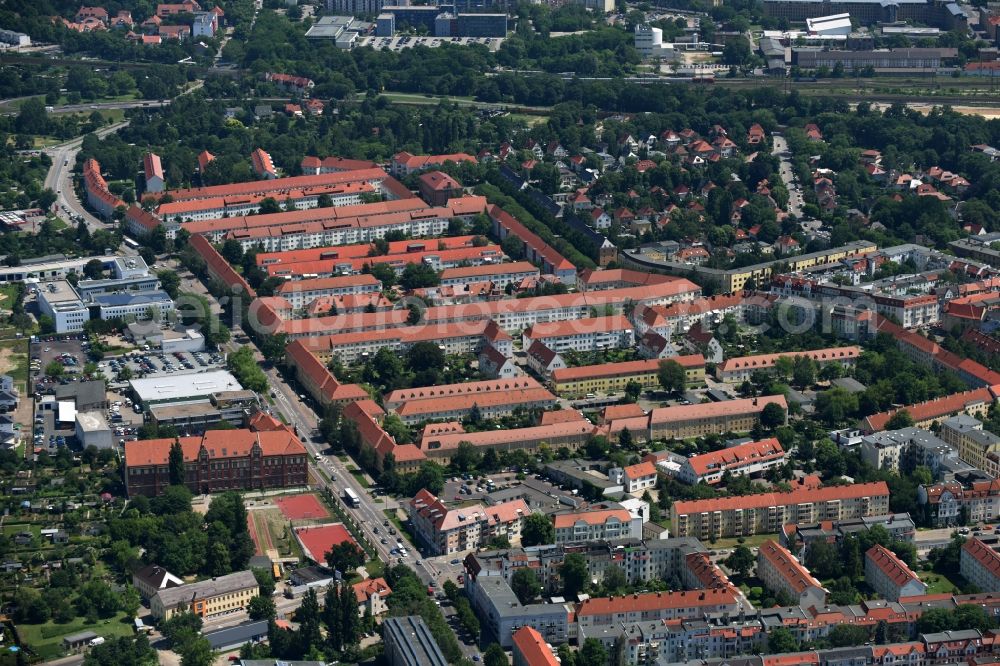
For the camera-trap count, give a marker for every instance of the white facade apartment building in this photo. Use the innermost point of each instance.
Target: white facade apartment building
(236, 206)
(599, 525)
(781, 571)
(980, 565)
(636, 478)
(889, 576)
(747, 459)
(279, 239)
(583, 335)
(457, 530)
(301, 293)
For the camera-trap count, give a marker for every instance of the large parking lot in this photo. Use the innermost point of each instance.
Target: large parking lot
(152, 363)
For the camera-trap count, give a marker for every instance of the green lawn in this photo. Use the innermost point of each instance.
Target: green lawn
(375, 568)
(936, 583)
(46, 639)
(19, 359)
(750, 541)
(360, 476)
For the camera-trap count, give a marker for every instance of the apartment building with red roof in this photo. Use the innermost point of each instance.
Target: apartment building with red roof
(403, 163)
(153, 170)
(976, 403)
(686, 421)
(592, 614)
(219, 460)
(582, 335)
(746, 515)
(99, 196)
(436, 187)
(599, 524)
(262, 164)
(140, 223)
(530, 649)
(492, 398)
(447, 531)
(740, 369)
(974, 493)
(301, 293)
(440, 445)
(317, 379)
(298, 85)
(610, 378)
(780, 571)
(344, 194)
(220, 270)
(314, 166)
(500, 275)
(749, 459)
(535, 249)
(460, 257)
(980, 564)
(889, 576)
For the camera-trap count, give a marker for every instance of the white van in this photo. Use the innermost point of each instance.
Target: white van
(94, 642)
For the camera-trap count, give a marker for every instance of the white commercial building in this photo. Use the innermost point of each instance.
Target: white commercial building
(60, 301)
(835, 24)
(649, 43)
(13, 38)
(92, 429)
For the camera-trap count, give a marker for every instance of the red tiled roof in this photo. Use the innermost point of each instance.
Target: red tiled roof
(800, 496)
(933, 409)
(624, 368)
(152, 166)
(640, 470)
(983, 554)
(655, 601)
(768, 360)
(788, 567)
(737, 456)
(367, 588)
(220, 444)
(590, 517)
(533, 648)
(893, 567)
(555, 329)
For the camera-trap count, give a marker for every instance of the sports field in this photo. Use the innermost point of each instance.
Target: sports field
(302, 507)
(318, 540)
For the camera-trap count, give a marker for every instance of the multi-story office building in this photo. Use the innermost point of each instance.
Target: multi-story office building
(780, 571)
(755, 514)
(219, 460)
(208, 598)
(889, 576)
(980, 564)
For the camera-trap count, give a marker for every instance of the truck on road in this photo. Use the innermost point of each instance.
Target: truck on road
(351, 498)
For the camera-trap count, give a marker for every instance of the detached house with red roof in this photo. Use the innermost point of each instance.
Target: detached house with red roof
(371, 595)
(219, 460)
(153, 169)
(635, 478)
(263, 165)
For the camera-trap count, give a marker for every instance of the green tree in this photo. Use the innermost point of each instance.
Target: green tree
(419, 276)
(94, 269)
(262, 608)
(345, 557)
(537, 530)
(494, 656)
(466, 457)
(848, 635)
(899, 420)
(772, 416)
(525, 585)
(804, 372)
(672, 376)
(836, 405)
(633, 390)
(615, 580)
(740, 561)
(781, 640)
(175, 464)
(574, 574)
(593, 653)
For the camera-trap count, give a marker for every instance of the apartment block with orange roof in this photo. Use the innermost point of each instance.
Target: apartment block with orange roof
(686, 421)
(596, 525)
(600, 612)
(749, 459)
(740, 369)
(746, 515)
(980, 564)
(447, 531)
(611, 378)
(301, 293)
(781, 571)
(530, 649)
(890, 576)
(500, 275)
(492, 398)
(582, 335)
